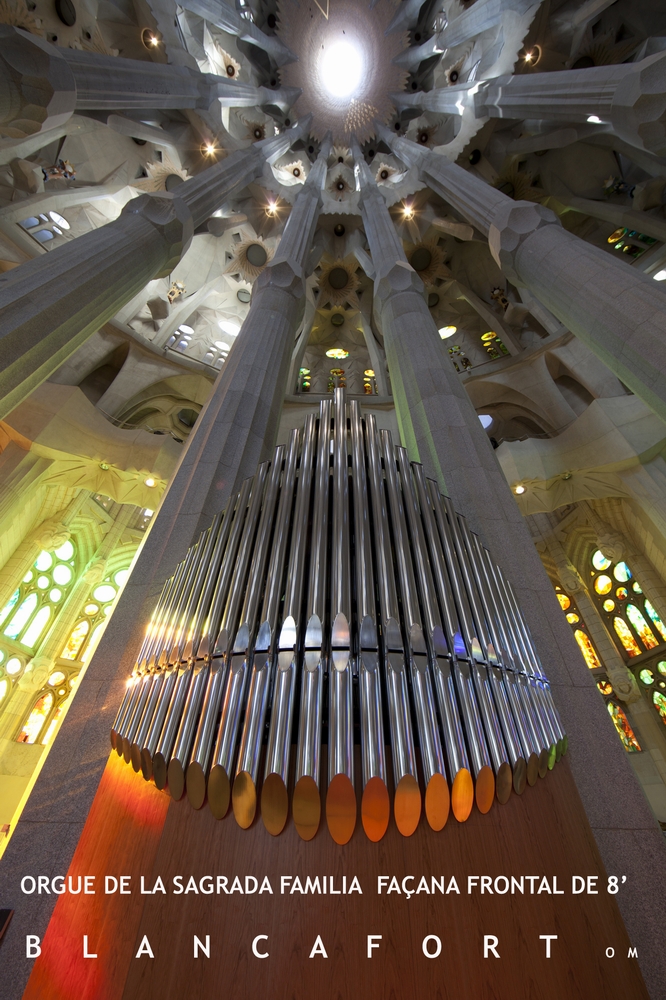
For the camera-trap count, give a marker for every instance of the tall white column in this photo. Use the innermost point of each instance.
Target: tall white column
(618, 312)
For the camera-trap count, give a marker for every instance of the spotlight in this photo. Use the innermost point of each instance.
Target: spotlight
(519, 490)
(209, 149)
(271, 208)
(149, 482)
(408, 212)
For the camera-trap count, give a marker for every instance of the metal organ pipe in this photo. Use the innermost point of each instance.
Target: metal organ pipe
(339, 578)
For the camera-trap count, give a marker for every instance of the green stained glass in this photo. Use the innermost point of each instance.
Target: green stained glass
(659, 701)
(646, 676)
(636, 587)
(9, 606)
(661, 667)
(599, 560)
(656, 620)
(20, 619)
(622, 573)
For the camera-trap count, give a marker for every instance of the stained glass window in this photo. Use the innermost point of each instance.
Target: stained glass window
(661, 667)
(572, 618)
(21, 617)
(626, 638)
(587, 649)
(603, 584)
(659, 701)
(625, 732)
(656, 620)
(565, 602)
(646, 634)
(599, 560)
(4, 685)
(622, 573)
(609, 605)
(646, 676)
(636, 587)
(605, 687)
(10, 605)
(75, 641)
(622, 593)
(36, 719)
(52, 724)
(36, 627)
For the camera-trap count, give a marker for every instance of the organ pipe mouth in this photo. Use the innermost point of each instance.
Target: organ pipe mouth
(244, 800)
(341, 809)
(484, 791)
(462, 795)
(219, 792)
(437, 802)
(275, 806)
(407, 805)
(376, 809)
(306, 807)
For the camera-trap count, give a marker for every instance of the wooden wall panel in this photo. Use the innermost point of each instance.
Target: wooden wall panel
(543, 833)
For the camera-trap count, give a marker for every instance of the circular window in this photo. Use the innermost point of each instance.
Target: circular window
(43, 561)
(14, 665)
(59, 220)
(609, 605)
(572, 618)
(104, 593)
(243, 295)
(338, 278)
(605, 687)
(646, 676)
(603, 585)
(433, 300)
(636, 587)
(120, 577)
(256, 255)
(57, 677)
(337, 319)
(55, 595)
(621, 593)
(661, 667)
(622, 573)
(43, 582)
(564, 601)
(91, 609)
(62, 574)
(65, 551)
(599, 560)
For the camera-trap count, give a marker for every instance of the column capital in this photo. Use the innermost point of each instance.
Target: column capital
(36, 82)
(512, 223)
(172, 218)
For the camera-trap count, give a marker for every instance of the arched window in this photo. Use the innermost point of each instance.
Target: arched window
(93, 618)
(624, 730)
(35, 721)
(659, 702)
(579, 627)
(628, 613)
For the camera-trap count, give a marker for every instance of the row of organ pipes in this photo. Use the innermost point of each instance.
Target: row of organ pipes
(339, 600)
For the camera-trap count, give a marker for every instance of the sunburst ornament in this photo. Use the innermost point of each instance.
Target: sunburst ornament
(231, 66)
(427, 259)
(291, 173)
(343, 156)
(344, 64)
(338, 281)
(518, 184)
(250, 258)
(16, 13)
(256, 131)
(164, 176)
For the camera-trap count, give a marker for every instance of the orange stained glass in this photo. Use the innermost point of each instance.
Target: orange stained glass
(624, 730)
(646, 634)
(75, 641)
(626, 638)
(656, 620)
(605, 687)
(36, 719)
(564, 601)
(587, 649)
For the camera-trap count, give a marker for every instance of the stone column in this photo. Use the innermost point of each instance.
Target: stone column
(51, 305)
(440, 428)
(235, 432)
(631, 97)
(224, 16)
(616, 215)
(618, 312)
(622, 679)
(482, 16)
(90, 81)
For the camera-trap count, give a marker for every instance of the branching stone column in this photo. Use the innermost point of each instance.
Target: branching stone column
(617, 311)
(440, 428)
(52, 304)
(39, 76)
(225, 16)
(631, 97)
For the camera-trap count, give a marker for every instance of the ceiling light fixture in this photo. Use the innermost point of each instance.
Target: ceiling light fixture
(184, 328)
(271, 208)
(341, 69)
(150, 482)
(519, 490)
(221, 346)
(209, 149)
(228, 327)
(594, 120)
(408, 212)
(660, 276)
(447, 331)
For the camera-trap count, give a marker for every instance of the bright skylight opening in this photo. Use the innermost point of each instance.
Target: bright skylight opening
(228, 327)
(341, 69)
(486, 420)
